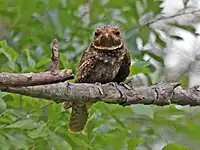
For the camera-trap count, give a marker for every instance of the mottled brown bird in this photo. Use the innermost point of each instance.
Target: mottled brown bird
(105, 60)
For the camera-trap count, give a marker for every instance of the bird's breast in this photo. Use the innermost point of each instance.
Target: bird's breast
(107, 68)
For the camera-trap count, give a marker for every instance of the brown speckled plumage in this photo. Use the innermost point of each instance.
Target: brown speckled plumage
(105, 60)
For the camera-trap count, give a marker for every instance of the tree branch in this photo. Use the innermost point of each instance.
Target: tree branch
(27, 79)
(172, 16)
(160, 94)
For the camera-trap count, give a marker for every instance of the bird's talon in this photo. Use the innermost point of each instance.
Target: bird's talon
(122, 94)
(125, 86)
(124, 99)
(100, 87)
(97, 83)
(113, 84)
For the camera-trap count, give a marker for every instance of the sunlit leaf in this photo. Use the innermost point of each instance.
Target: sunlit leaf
(143, 110)
(175, 147)
(41, 131)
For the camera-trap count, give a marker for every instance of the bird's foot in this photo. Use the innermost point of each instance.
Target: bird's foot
(99, 87)
(123, 95)
(128, 87)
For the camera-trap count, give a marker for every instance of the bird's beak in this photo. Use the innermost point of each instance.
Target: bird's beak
(106, 35)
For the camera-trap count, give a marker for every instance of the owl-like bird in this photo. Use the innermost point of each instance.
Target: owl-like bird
(105, 60)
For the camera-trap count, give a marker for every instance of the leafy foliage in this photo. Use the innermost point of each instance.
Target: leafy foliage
(28, 123)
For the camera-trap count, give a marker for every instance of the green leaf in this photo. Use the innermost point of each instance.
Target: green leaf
(43, 62)
(154, 6)
(9, 53)
(42, 131)
(153, 55)
(159, 41)
(4, 142)
(2, 106)
(144, 34)
(188, 28)
(15, 138)
(134, 142)
(140, 67)
(140, 109)
(172, 146)
(184, 80)
(176, 37)
(185, 2)
(31, 61)
(74, 140)
(24, 124)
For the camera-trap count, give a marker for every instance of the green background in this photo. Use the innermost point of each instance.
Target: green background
(26, 31)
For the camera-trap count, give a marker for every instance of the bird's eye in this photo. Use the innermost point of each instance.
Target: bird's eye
(117, 33)
(96, 33)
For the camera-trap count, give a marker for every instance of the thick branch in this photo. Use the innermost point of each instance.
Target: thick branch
(160, 94)
(27, 79)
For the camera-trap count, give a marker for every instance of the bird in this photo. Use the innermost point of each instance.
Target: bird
(105, 60)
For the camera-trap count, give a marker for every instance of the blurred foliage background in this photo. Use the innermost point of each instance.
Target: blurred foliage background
(26, 31)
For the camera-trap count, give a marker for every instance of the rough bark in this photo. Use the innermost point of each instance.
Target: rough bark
(160, 94)
(28, 79)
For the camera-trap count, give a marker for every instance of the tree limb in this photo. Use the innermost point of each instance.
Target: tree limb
(160, 94)
(175, 16)
(27, 79)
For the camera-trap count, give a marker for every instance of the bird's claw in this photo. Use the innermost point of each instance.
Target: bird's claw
(122, 94)
(126, 86)
(113, 84)
(100, 87)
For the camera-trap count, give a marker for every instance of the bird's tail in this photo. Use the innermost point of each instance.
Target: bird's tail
(79, 116)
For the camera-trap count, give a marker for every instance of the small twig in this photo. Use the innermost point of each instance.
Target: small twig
(55, 57)
(170, 17)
